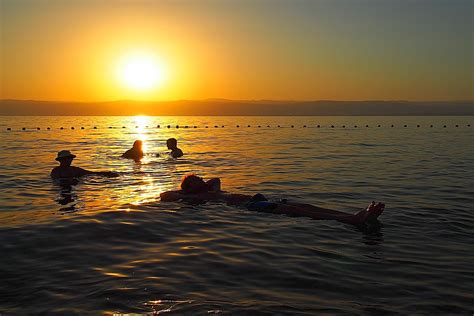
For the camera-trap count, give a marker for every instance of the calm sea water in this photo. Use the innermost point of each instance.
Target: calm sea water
(108, 245)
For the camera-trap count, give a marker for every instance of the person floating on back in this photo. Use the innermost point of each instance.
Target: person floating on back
(194, 188)
(172, 144)
(136, 152)
(65, 170)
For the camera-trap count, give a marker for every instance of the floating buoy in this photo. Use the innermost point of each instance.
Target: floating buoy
(405, 125)
(207, 126)
(23, 128)
(444, 126)
(457, 125)
(279, 126)
(123, 126)
(63, 127)
(392, 125)
(319, 126)
(169, 126)
(9, 128)
(304, 126)
(343, 126)
(355, 126)
(431, 125)
(146, 126)
(95, 127)
(136, 126)
(332, 126)
(72, 127)
(378, 125)
(259, 126)
(237, 126)
(177, 126)
(110, 126)
(82, 127)
(366, 125)
(38, 128)
(268, 125)
(157, 126)
(222, 126)
(418, 126)
(248, 125)
(186, 126)
(215, 126)
(292, 126)
(468, 125)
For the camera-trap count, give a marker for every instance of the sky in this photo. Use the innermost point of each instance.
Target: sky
(98, 50)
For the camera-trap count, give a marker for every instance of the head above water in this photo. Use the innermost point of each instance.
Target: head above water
(65, 157)
(192, 184)
(172, 143)
(138, 144)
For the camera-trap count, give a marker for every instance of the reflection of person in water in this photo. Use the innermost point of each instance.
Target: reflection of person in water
(195, 188)
(67, 198)
(136, 152)
(172, 144)
(65, 170)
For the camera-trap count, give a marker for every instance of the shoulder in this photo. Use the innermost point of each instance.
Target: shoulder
(170, 196)
(55, 172)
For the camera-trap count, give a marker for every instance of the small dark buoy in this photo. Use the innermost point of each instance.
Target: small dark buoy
(110, 126)
(222, 126)
(215, 126)
(319, 126)
(405, 125)
(186, 126)
(392, 125)
(238, 126)
(355, 126)
(72, 127)
(366, 125)
(248, 125)
(378, 125)
(157, 126)
(82, 127)
(9, 128)
(38, 128)
(259, 126)
(169, 126)
(136, 126)
(207, 126)
(418, 126)
(292, 126)
(63, 127)
(123, 126)
(343, 126)
(332, 126)
(468, 125)
(48, 128)
(279, 126)
(195, 126)
(444, 126)
(431, 125)
(177, 126)
(304, 126)
(23, 128)
(268, 125)
(457, 125)
(95, 127)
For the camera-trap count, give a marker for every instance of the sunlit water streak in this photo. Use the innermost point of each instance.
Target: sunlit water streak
(107, 245)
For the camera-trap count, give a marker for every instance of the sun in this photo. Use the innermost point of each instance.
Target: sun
(141, 72)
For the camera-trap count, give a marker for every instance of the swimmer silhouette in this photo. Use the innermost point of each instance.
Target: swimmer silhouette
(65, 170)
(172, 144)
(136, 152)
(194, 188)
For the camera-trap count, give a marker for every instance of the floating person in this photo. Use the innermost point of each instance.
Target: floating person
(172, 144)
(136, 152)
(65, 170)
(194, 188)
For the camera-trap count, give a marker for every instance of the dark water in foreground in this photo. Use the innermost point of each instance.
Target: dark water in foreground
(107, 245)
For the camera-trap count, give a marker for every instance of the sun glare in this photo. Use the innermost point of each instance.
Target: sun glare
(141, 72)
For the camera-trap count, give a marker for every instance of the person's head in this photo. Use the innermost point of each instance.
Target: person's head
(65, 157)
(138, 144)
(172, 143)
(192, 184)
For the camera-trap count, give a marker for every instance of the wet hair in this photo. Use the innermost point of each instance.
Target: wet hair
(192, 184)
(172, 141)
(138, 143)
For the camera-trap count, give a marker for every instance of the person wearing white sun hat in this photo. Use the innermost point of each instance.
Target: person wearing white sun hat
(65, 170)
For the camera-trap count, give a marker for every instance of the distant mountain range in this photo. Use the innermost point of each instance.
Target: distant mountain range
(237, 107)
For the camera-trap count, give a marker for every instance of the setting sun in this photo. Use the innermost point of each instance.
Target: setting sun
(141, 72)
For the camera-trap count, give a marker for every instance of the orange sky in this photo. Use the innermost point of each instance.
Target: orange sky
(339, 50)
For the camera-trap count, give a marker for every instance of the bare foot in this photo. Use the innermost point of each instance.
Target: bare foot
(368, 215)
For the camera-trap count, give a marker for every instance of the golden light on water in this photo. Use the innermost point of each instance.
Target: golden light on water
(142, 121)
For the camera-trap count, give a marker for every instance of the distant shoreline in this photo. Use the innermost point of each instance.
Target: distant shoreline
(220, 107)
